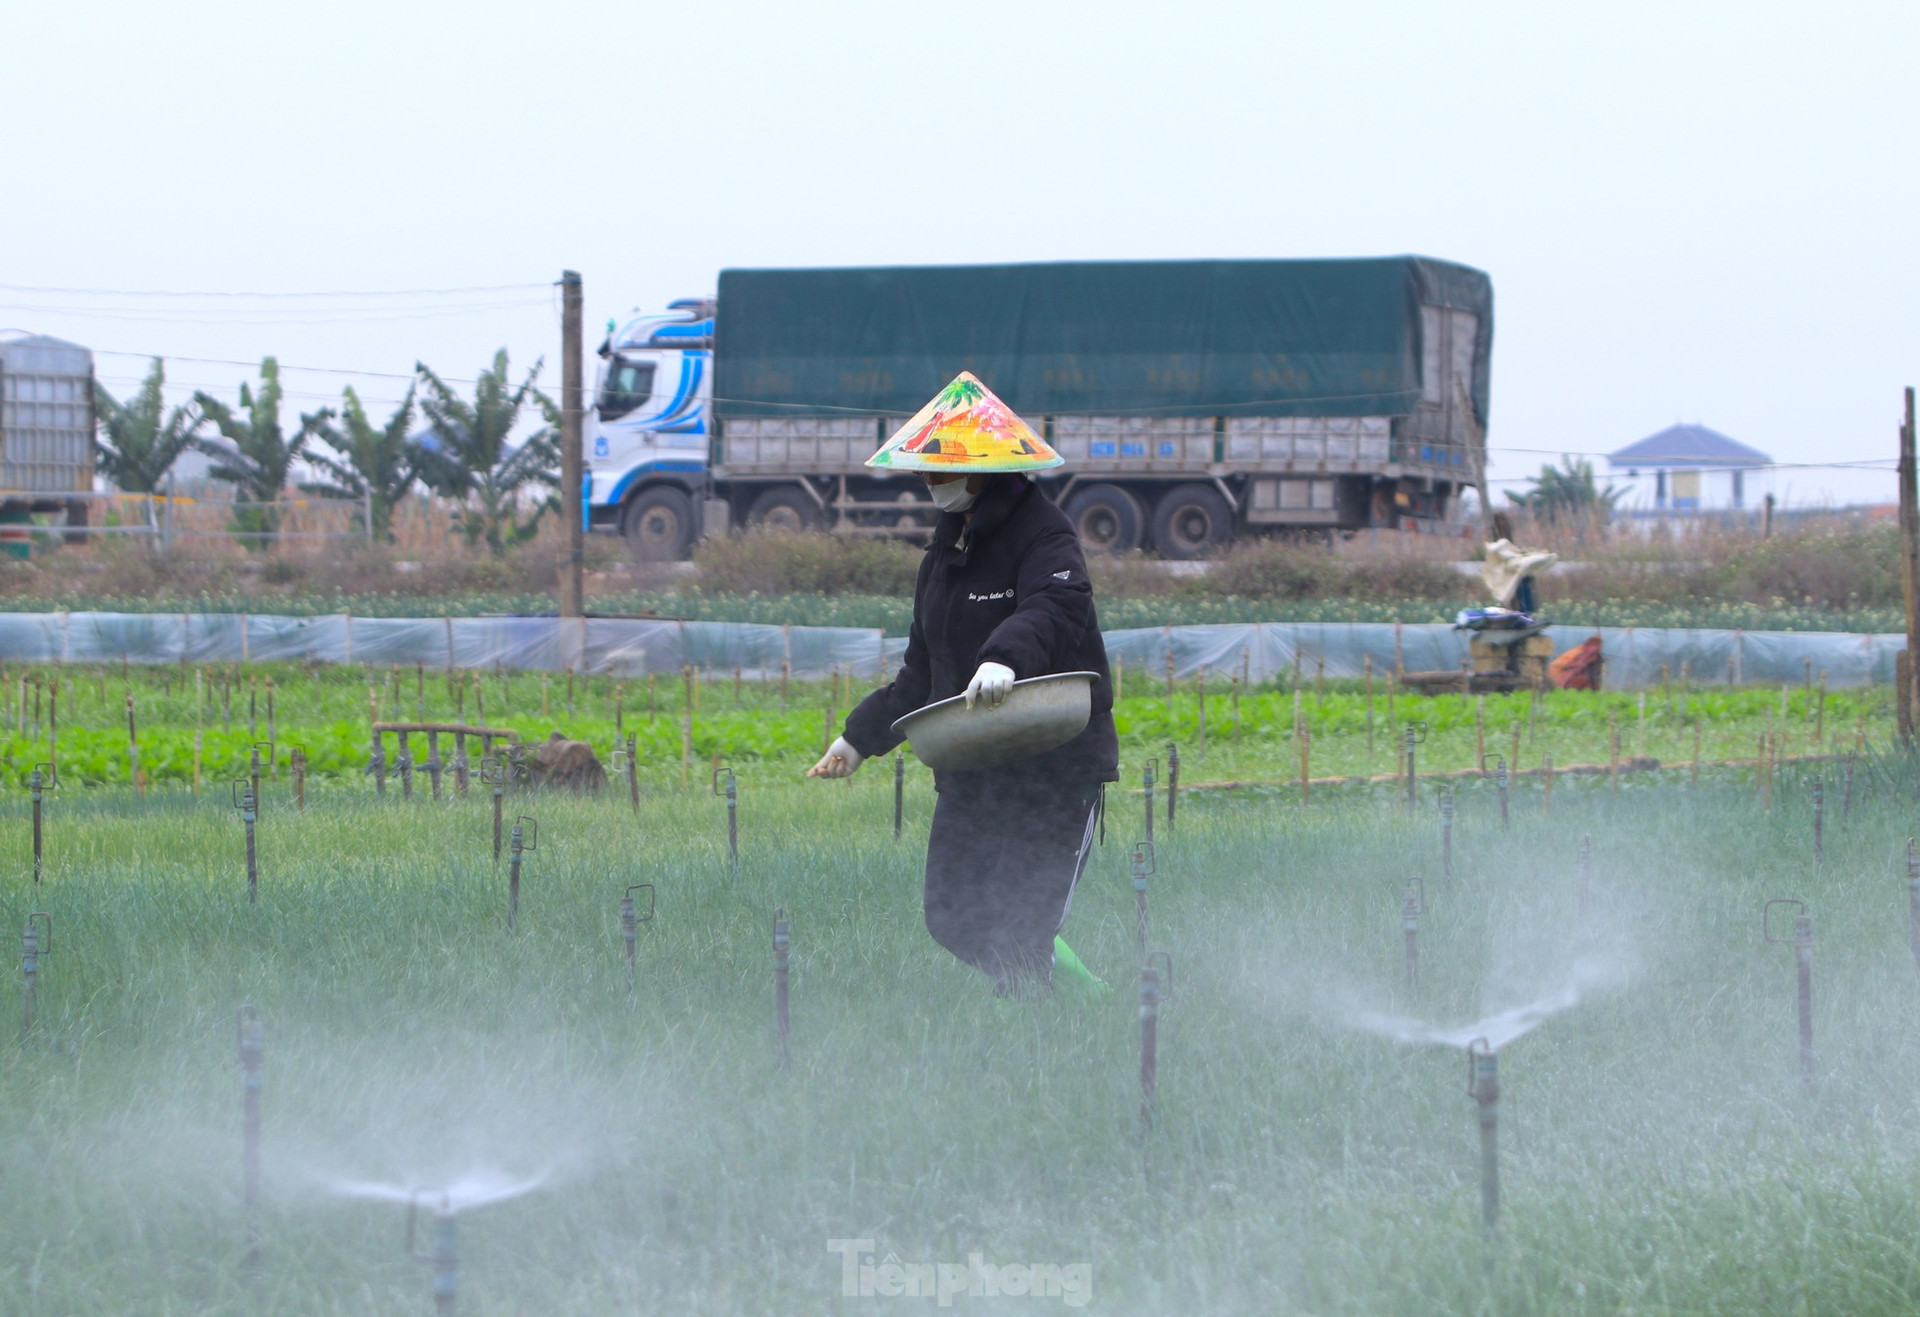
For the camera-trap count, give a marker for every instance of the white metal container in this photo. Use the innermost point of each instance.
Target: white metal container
(1038, 715)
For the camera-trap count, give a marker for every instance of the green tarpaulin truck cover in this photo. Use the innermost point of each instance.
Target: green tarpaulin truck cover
(1157, 338)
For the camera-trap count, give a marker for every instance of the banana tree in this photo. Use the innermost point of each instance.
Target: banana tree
(467, 454)
(371, 463)
(254, 453)
(140, 438)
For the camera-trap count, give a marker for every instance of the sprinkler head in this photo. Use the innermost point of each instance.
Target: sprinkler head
(252, 1040)
(36, 940)
(243, 801)
(1413, 904)
(1143, 864)
(526, 833)
(1483, 1073)
(629, 908)
(1416, 731)
(1802, 923)
(732, 791)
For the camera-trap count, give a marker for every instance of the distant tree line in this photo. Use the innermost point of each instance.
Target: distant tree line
(463, 451)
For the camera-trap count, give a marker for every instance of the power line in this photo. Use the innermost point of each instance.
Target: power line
(266, 317)
(371, 292)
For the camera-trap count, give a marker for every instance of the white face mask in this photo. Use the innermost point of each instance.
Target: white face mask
(952, 495)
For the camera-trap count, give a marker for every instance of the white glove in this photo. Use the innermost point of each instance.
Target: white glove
(839, 761)
(990, 685)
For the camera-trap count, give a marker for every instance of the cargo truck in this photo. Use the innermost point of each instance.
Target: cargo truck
(1194, 401)
(46, 434)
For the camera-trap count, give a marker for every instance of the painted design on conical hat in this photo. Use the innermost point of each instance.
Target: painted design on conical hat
(966, 429)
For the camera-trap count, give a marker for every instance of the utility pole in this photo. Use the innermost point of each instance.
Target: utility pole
(1909, 570)
(572, 499)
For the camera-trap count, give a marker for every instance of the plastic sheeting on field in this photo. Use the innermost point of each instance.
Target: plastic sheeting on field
(635, 646)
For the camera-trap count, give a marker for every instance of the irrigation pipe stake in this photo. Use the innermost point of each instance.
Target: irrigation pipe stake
(493, 771)
(1146, 785)
(1412, 902)
(524, 839)
(1913, 901)
(1483, 1086)
(444, 1256)
(1819, 819)
(1586, 875)
(1143, 868)
(1803, 958)
(1416, 734)
(733, 812)
(1500, 783)
(37, 783)
(252, 1041)
(1446, 834)
(1151, 997)
(247, 804)
(31, 949)
(133, 749)
(630, 921)
(899, 792)
(782, 953)
(1173, 783)
(298, 758)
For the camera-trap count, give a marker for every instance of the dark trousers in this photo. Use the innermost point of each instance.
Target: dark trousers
(1003, 857)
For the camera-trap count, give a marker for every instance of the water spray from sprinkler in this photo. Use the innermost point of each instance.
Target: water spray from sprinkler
(1446, 835)
(1151, 996)
(630, 921)
(1819, 819)
(36, 940)
(525, 837)
(445, 1202)
(247, 803)
(1803, 957)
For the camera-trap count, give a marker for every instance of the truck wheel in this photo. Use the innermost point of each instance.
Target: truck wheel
(1190, 521)
(658, 524)
(784, 507)
(1108, 518)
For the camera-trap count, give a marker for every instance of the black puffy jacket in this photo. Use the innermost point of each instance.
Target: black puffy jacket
(1008, 587)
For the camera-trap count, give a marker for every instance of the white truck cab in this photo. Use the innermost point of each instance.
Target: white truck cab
(646, 433)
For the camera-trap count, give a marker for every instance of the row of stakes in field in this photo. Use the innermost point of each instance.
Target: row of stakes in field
(1153, 989)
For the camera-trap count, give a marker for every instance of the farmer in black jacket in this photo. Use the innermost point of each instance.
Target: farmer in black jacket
(1002, 595)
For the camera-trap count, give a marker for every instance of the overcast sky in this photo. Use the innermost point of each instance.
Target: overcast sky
(1689, 211)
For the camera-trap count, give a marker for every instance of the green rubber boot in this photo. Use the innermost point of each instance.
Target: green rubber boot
(1069, 973)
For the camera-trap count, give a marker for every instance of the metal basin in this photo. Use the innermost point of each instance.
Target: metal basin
(1038, 715)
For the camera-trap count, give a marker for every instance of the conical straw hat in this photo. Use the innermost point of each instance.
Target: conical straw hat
(966, 430)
